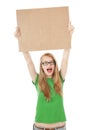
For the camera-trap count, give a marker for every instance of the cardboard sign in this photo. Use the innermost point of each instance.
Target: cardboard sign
(43, 28)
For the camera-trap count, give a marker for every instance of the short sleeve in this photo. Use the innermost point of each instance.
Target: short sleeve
(36, 82)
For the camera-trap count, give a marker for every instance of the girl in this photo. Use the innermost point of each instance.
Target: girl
(50, 113)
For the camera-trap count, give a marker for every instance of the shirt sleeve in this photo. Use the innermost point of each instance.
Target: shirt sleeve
(36, 82)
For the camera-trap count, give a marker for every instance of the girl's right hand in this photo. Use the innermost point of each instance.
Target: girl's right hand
(17, 33)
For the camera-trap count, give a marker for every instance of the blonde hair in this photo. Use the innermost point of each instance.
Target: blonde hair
(43, 85)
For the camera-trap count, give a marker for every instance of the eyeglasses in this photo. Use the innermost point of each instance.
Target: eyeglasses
(48, 62)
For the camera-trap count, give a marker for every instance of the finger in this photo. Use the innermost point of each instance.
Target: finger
(17, 32)
(70, 27)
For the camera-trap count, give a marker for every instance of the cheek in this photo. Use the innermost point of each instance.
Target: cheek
(44, 69)
(53, 67)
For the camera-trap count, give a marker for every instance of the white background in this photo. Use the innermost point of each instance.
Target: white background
(17, 93)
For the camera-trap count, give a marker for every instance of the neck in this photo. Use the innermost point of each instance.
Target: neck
(50, 76)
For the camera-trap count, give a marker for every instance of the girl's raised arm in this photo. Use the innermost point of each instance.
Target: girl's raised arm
(64, 63)
(30, 65)
(27, 57)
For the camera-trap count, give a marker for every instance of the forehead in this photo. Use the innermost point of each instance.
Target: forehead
(47, 58)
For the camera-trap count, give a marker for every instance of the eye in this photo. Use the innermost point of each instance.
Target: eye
(45, 63)
(48, 62)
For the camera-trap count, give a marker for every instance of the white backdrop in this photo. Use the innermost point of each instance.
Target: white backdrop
(17, 94)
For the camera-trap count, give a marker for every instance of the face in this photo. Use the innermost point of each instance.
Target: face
(48, 66)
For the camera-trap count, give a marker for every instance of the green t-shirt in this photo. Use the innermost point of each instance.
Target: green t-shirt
(49, 111)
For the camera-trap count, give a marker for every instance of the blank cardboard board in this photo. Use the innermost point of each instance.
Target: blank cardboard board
(43, 28)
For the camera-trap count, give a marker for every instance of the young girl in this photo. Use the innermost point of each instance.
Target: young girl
(50, 113)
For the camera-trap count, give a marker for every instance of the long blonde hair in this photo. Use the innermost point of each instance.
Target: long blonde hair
(43, 85)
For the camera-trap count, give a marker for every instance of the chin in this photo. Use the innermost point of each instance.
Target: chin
(49, 75)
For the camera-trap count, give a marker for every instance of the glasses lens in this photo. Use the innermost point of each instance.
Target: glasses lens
(46, 63)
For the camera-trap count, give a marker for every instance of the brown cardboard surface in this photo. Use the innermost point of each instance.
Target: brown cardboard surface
(43, 28)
